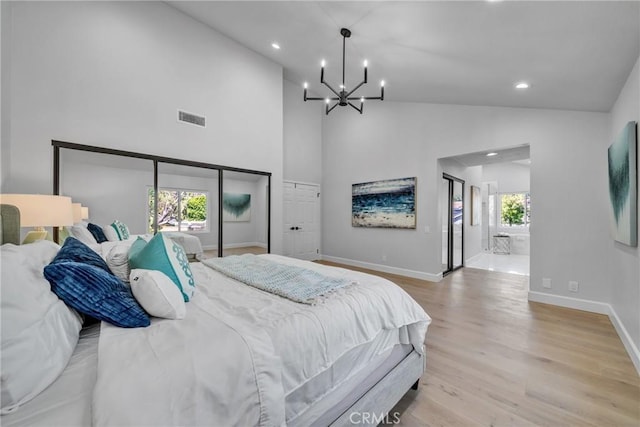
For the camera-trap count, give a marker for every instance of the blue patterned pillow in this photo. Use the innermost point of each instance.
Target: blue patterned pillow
(163, 254)
(95, 292)
(74, 250)
(97, 233)
(121, 229)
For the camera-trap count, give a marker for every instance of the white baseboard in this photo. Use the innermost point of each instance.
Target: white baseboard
(385, 268)
(569, 302)
(235, 245)
(593, 307)
(631, 347)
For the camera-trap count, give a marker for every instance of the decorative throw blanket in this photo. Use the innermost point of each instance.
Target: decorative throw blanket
(295, 283)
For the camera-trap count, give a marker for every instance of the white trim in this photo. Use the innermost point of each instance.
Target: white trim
(632, 350)
(569, 302)
(593, 307)
(385, 268)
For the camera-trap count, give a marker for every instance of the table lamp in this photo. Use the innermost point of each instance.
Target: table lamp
(39, 211)
(77, 212)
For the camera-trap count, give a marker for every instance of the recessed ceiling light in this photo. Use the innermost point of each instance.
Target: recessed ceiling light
(492, 154)
(275, 45)
(522, 85)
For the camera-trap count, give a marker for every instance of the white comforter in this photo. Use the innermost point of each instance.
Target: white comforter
(239, 350)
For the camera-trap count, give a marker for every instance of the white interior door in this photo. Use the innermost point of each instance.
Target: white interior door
(301, 220)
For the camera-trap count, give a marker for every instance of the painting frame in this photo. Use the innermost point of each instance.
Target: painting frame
(622, 160)
(389, 203)
(476, 205)
(236, 207)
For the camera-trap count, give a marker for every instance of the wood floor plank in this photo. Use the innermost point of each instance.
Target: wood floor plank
(494, 358)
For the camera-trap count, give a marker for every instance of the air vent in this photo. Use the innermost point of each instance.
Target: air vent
(190, 118)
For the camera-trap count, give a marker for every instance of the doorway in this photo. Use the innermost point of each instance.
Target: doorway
(302, 220)
(452, 193)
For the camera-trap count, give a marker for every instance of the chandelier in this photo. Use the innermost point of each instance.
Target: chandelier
(344, 98)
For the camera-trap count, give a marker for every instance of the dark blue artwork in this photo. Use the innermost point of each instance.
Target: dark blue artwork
(622, 156)
(236, 207)
(385, 204)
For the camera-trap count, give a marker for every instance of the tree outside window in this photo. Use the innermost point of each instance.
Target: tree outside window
(179, 210)
(515, 210)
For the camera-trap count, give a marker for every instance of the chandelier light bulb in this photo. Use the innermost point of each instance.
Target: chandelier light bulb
(327, 100)
(362, 99)
(366, 63)
(323, 63)
(381, 83)
(305, 85)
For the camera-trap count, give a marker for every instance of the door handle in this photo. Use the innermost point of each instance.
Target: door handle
(292, 228)
(298, 228)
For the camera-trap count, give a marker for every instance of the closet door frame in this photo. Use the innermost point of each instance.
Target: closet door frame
(218, 170)
(450, 267)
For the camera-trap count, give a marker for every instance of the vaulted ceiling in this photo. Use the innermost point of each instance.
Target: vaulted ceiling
(576, 55)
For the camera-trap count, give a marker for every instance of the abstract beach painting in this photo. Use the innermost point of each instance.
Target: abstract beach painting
(384, 204)
(623, 186)
(236, 207)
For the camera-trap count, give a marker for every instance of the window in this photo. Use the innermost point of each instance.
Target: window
(515, 209)
(179, 210)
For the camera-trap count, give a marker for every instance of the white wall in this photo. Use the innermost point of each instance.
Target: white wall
(108, 191)
(302, 136)
(623, 262)
(511, 177)
(405, 139)
(113, 74)
(5, 94)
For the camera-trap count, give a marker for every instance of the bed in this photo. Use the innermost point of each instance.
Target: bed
(241, 356)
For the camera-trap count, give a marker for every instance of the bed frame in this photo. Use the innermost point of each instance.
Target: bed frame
(385, 394)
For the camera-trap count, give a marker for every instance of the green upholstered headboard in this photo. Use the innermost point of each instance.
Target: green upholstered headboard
(9, 224)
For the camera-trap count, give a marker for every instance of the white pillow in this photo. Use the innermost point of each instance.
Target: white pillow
(80, 232)
(157, 294)
(110, 233)
(39, 332)
(117, 258)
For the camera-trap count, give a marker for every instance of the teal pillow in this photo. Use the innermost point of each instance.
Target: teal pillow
(163, 254)
(136, 247)
(122, 231)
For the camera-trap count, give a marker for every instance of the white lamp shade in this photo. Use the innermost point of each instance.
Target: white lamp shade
(77, 212)
(41, 210)
(85, 213)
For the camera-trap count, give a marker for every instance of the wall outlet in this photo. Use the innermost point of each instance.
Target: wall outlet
(546, 283)
(384, 257)
(573, 286)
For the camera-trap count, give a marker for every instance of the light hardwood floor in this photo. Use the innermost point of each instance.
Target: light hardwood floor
(495, 359)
